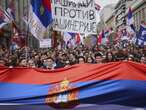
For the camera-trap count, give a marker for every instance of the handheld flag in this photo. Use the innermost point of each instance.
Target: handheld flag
(4, 19)
(130, 19)
(72, 39)
(141, 39)
(78, 38)
(130, 23)
(100, 37)
(40, 17)
(11, 10)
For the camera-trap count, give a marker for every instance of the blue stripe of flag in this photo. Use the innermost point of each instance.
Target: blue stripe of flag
(42, 12)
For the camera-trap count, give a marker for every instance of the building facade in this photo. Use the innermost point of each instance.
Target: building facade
(105, 14)
(20, 7)
(139, 12)
(110, 22)
(121, 10)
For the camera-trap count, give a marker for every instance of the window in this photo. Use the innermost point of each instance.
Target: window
(144, 14)
(139, 19)
(136, 20)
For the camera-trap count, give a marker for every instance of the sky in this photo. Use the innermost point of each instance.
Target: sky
(103, 3)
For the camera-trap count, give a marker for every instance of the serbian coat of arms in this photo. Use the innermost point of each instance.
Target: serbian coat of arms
(62, 95)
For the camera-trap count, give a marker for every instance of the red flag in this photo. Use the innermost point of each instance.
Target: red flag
(78, 39)
(99, 38)
(97, 7)
(1, 14)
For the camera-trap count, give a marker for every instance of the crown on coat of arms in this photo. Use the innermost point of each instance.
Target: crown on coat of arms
(62, 95)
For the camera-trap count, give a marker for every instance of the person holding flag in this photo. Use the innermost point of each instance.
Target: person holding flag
(141, 38)
(130, 27)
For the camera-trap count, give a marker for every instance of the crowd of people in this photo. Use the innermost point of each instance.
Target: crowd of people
(59, 58)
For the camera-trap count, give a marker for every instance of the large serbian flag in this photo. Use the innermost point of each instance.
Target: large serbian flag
(40, 17)
(120, 83)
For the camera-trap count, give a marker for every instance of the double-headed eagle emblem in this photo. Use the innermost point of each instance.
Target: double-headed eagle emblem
(62, 95)
(42, 10)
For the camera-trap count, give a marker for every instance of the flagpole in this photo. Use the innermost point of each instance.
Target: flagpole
(27, 30)
(5, 13)
(13, 24)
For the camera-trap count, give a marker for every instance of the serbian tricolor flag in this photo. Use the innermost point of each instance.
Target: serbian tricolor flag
(39, 18)
(11, 10)
(141, 37)
(78, 38)
(130, 19)
(119, 83)
(100, 37)
(130, 23)
(4, 18)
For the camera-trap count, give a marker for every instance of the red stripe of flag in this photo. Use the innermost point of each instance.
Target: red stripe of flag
(78, 39)
(47, 4)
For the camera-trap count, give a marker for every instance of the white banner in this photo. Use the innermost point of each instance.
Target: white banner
(45, 43)
(72, 16)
